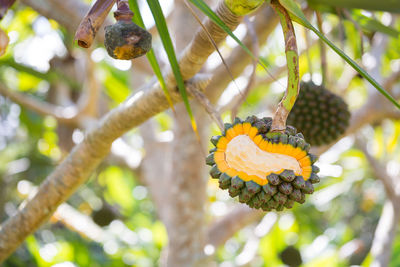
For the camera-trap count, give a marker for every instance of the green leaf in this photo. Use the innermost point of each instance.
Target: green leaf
(373, 25)
(169, 49)
(151, 57)
(296, 12)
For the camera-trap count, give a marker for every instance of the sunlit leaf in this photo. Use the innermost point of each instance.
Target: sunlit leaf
(374, 25)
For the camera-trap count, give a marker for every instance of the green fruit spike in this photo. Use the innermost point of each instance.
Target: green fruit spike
(233, 192)
(273, 179)
(287, 175)
(253, 187)
(285, 188)
(264, 197)
(214, 139)
(270, 190)
(309, 188)
(314, 179)
(245, 195)
(280, 198)
(296, 195)
(215, 172)
(210, 159)
(289, 203)
(299, 182)
(237, 183)
(224, 181)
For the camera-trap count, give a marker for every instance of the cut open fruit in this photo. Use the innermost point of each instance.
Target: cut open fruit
(266, 170)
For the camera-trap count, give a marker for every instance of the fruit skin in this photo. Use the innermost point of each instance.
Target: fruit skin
(126, 40)
(283, 189)
(320, 115)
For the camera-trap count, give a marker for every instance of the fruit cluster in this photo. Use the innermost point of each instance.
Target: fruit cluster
(319, 114)
(266, 170)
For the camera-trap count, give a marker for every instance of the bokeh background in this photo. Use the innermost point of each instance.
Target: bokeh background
(151, 200)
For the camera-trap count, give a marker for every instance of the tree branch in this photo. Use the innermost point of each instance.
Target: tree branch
(66, 115)
(385, 233)
(227, 226)
(378, 169)
(81, 162)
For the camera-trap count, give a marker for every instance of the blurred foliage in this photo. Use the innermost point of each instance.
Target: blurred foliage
(334, 228)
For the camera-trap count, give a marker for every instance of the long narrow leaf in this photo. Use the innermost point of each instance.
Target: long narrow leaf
(371, 24)
(296, 12)
(169, 49)
(151, 57)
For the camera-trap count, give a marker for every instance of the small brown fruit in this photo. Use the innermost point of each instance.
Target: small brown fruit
(126, 40)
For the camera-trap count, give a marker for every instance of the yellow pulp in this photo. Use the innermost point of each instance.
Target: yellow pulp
(243, 155)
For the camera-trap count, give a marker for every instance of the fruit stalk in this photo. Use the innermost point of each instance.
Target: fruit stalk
(292, 59)
(123, 11)
(92, 22)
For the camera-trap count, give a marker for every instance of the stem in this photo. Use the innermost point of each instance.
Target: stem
(123, 12)
(308, 47)
(92, 21)
(324, 66)
(292, 59)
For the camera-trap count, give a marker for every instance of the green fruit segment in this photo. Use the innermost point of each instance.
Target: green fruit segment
(309, 188)
(270, 189)
(285, 188)
(214, 139)
(224, 181)
(210, 159)
(273, 179)
(215, 172)
(253, 187)
(287, 175)
(314, 179)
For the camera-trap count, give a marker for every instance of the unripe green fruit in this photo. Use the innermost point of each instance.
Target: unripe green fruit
(320, 115)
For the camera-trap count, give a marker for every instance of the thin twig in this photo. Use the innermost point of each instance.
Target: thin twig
(224, 228)
(205, 102)
(341, 29)
(324, 64)
(66, 115)
(378, 169)
(308, 47)
(358, 27)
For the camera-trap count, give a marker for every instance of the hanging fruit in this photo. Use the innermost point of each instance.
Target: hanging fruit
(266, 170)
(124, 39)
(263, 161)
(319, 114)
